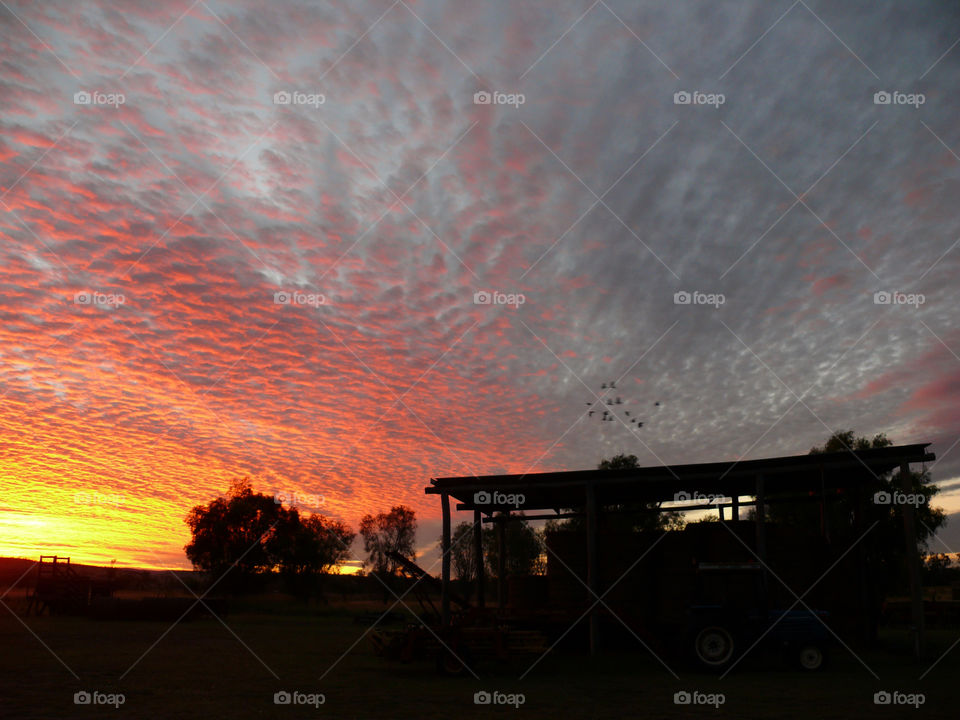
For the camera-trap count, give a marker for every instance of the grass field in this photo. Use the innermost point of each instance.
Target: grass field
(202, 669)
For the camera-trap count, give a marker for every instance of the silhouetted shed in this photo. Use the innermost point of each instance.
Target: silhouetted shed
(590, 493)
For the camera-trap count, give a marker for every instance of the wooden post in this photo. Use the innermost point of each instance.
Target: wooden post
(502, 561)
(445, 561)
(913, 561)
(478, 555)
(592, 570)
(760, 511)
(735, 507)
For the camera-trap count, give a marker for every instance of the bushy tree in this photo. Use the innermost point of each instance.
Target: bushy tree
(383, 533)
(525, 547)
(245, 535)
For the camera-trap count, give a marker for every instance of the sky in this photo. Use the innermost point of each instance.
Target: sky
(345, 247)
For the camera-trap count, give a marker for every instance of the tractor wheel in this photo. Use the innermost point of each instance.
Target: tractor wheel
(713, 647)
(810, 657)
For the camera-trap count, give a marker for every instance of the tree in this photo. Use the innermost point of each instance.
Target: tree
(626, 517)
(236, 534)
(525, 547)
(313, 546)
(384, 533)
(836, 519)
(462, 557)
(246, 535)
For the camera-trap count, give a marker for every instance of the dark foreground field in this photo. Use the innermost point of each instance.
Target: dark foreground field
(202, 669)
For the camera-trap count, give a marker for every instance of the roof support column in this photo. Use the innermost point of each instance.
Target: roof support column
(445, 563)
(502, 561)
(592, 579)
(761, 518)
(913, 561)
(478, 555)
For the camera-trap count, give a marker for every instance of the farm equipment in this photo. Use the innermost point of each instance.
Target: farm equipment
(731, 617)
(474, 634)
(60, 589)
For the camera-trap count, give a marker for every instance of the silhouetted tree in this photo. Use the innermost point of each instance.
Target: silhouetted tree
(627, 517)
(525, 548)
(245, 535)
(313, 546)
(462, 557)
(383, 533)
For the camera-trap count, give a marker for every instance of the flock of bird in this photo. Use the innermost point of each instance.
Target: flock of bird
(612, 402)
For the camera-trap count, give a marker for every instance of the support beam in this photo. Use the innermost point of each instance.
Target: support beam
(478, 556)
(502, 562)
(761, 520)
(735, 507)
(913, 561)
(592, 569)
(445, 563)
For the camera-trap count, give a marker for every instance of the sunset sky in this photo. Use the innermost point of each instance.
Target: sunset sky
(199, 281)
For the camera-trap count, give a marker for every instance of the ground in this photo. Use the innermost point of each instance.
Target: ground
(202, 669)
